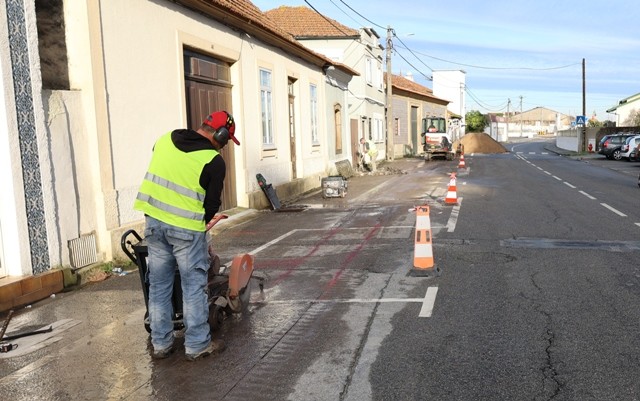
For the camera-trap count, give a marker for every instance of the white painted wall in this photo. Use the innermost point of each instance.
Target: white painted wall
(127, 89)
(15, 257)
(13, 218)
(623, 111)
(449, 85)
(132, 91)
(364, 100)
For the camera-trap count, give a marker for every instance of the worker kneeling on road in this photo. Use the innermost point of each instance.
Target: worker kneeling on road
(370, 154)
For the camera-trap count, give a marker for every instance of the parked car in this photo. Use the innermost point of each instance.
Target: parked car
(634, 156)
(602, 141)
(630, 145)
(611, 146)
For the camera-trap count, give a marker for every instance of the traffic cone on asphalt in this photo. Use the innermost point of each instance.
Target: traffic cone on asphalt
(462, 164)
(423, 264)
(452, 195)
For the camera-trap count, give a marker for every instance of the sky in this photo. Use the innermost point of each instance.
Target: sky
(516, 54)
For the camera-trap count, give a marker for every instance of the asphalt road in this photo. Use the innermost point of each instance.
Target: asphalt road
(537, 297)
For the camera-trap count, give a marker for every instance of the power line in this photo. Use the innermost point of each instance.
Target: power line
(344, 12)
(362, 16)
(481, 103)
(411, 51)
(414, 67)
(496, 68)
(416, 53)
(327, 19)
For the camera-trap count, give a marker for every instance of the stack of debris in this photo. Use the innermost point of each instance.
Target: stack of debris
(478, 142)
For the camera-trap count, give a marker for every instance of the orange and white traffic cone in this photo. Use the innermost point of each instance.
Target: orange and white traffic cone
(462, 164)
(423, 264)
(452, 195)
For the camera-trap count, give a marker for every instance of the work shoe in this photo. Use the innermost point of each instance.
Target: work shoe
(163, 353)
(214, 347)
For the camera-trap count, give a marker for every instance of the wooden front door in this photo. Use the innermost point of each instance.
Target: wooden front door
(208, 88)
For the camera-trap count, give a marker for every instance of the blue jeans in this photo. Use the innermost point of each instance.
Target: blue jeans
(169, 246)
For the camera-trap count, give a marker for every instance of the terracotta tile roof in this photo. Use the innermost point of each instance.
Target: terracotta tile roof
(247, 11)
(245, 16)
(303, 22)
(407, 85)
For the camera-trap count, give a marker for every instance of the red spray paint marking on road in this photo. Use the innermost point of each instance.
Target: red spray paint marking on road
(349, 258)
(299, 261)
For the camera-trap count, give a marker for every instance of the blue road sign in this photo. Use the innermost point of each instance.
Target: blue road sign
(581, 120)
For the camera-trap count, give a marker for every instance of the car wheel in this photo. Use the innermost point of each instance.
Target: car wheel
(617, 155)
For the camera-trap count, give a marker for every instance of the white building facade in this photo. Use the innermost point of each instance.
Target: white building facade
(74, 150)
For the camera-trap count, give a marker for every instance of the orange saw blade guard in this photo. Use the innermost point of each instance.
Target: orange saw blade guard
(240, 273)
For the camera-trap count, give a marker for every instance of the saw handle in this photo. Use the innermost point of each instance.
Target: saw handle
(215, 220)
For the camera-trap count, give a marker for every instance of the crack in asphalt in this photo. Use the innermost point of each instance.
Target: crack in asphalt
(549, 372)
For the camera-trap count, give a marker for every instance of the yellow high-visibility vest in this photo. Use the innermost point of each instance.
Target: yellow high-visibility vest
(171, 191)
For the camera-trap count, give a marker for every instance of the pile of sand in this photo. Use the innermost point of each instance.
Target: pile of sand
(477, 142)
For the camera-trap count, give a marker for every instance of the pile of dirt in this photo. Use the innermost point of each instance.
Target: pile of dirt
(477, 142)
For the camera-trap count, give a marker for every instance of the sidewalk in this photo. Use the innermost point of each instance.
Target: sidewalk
(551, 147)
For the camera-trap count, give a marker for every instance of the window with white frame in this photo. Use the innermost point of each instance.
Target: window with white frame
(377, 129)
(313, 95)
(266, 107)
(379, 75)
(368, 70)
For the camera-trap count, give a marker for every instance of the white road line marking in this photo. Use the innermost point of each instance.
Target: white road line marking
(425, 311)
(268, 244)
(429, 301)
(283, 236)
(547, 173)
(619, 213)
(587, 195)
(453, 218)
(569, 185)
(557, 178)
(340, 301)
(638, 224)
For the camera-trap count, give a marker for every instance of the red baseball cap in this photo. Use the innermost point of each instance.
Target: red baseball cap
(219, 119)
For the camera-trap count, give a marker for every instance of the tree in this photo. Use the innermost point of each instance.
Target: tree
(633, 120)
(476, 121)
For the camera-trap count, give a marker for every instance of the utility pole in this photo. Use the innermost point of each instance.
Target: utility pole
(389, 93)
(507, 130)
(584, 106)
(520, 116)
